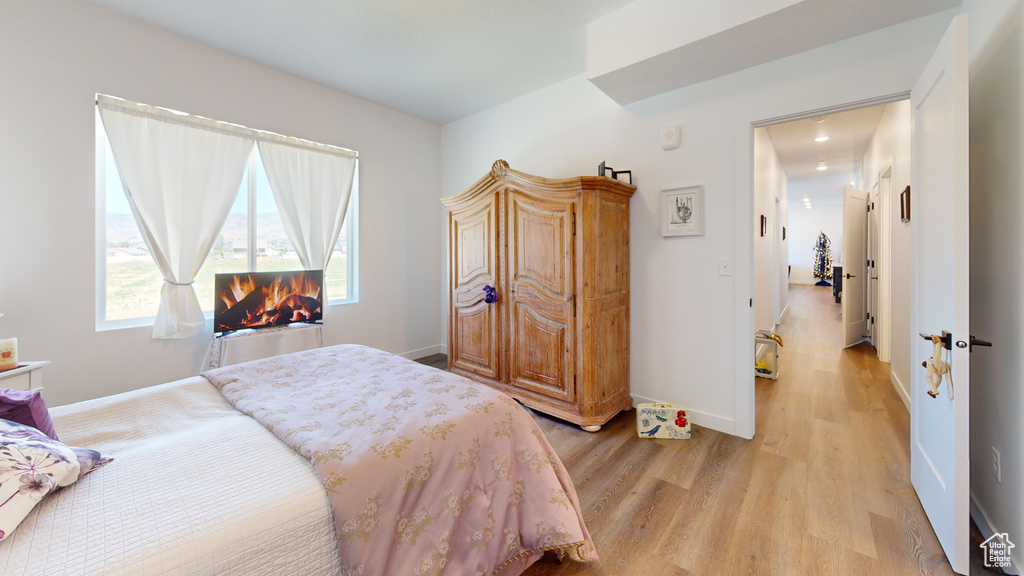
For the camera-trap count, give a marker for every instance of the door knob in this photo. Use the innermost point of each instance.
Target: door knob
(848, 276)
(490, 294)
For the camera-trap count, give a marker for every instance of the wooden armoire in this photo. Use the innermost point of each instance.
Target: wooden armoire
(556, 253)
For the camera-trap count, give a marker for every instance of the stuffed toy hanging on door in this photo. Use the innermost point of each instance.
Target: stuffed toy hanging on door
(936, 369)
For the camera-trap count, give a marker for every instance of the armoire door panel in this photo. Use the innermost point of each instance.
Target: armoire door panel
(475, 236)
(475, 342)
(540, 276)
(475, 348)
(614, 262)
(541, 345)
(541, 246)
(613, 326)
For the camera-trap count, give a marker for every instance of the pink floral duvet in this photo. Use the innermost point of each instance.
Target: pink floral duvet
(427, 472)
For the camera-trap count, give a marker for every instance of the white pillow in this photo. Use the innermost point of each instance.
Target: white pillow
(31, 466)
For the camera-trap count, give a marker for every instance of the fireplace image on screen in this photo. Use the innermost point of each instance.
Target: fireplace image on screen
(264, 299)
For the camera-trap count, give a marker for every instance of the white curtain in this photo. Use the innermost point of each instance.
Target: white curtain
(181, 174)
(311, 184)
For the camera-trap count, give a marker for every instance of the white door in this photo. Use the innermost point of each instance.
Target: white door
(775, 230)
(939, 465)
(855, 214)
(874, 225)
(782, 257)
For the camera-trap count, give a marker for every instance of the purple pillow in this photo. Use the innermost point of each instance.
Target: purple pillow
(26, 407)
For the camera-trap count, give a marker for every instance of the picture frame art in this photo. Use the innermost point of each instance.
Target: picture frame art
(905, 205)
(682, 211)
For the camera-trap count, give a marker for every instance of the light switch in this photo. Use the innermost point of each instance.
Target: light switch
(725, 266)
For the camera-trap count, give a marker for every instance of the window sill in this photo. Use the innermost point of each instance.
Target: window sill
(147, 322)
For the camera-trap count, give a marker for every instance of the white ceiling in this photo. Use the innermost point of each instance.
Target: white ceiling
(824, 190)
(849, 135)
(442, 60)
(436, 59)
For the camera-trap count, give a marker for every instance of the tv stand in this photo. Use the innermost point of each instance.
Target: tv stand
(242, 346)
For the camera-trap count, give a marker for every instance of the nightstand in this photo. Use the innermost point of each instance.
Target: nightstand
(27, 376)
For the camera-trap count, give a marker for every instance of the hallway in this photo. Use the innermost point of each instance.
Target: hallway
(836, 412)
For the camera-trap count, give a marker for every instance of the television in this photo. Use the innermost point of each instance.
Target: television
(265, 299)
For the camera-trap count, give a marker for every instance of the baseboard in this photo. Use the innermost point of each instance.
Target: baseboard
(987, 530)
(705, 419)
(901, 390)
(422, 352)
(783, 315)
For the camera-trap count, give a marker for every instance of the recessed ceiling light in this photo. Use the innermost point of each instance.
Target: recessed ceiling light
(819, 119)
(821, 138)
(808, 206)
(821, 166)
(806, 199)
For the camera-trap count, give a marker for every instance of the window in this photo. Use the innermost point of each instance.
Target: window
(252, 239)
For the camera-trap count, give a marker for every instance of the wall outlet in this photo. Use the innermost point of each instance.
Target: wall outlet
(997, 465)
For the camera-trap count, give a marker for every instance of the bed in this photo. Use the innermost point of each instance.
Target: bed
(337, 461)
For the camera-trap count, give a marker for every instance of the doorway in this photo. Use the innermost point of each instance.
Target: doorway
(802, 166)
(869, 92)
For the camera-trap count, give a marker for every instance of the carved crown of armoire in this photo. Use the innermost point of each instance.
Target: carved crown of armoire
(554, 255)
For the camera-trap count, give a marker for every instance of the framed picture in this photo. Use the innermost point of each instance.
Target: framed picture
(682, 211)
(905, 205)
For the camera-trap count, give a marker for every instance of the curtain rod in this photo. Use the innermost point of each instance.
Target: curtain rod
(203, 123)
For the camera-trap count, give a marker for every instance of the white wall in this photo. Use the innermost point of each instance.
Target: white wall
(825, 215)
(770, 183)
(690, 333)
(54, 57)
(997, 251)
(891, 148)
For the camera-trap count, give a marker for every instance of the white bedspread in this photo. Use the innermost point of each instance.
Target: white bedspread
(195, 488)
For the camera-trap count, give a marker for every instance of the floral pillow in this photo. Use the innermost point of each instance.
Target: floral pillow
(31, 466)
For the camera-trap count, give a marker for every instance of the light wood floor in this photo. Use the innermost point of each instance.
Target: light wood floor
(822, 489)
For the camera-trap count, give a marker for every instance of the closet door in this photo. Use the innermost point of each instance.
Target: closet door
(475, 325)
(541, 288)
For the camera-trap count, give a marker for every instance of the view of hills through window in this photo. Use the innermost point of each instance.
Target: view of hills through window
(133, 281)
